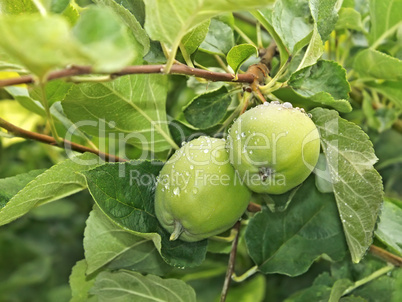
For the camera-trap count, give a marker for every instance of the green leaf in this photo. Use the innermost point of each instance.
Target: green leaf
(325, 14)
(314, 50)
(371, 63)
(338, 289)
(104, 39)
(384, 15)
(128, 17)
(349, 18)
(132, 107)
(129, 286)
(107, 244)
(11, 185)
(239, 54)
(59, 181)
(316, 293)
(170, 21)
(249, 291)
(192, 40)
(48, 40)
(290, 19)
(80, 283)
(324, 83)
(390, 89)
(55, 91)
(264, 16)
(16, 7)
(310, 224)
(219, 39)
(389, 229)
(125, 193)
(208, 109)
(357, 185)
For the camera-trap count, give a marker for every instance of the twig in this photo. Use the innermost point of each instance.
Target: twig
(385, 255)
(65, 144)
(137, 69)
(231, 264)
(253, 207)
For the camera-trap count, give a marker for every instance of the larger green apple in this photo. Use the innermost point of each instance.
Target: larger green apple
(274, 147)
(199, 193)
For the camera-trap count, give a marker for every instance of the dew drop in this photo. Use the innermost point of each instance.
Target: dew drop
(266, 104)
(287, 105)
(243, 134)
(191, 167)
(195, 191)
(251, 151)
(176, 191)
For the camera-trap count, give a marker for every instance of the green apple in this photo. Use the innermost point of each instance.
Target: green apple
(199, 193)
(274, 147)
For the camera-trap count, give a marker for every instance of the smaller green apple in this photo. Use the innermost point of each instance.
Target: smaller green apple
(274, 147)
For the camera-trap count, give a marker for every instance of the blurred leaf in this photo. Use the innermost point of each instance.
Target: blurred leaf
(13, 112)
(132, 107)
(125, 193)
(80, 283)
(107, 244)
(11, 185)
(48, 40)
(310, 224)
(31, 272)
(239, 54)
(15, 7)
(384, 15)
(125, 11)
(390, 89)
(324, 83)
(325, 14)
(59, 181)
(349, 18)
(338, 289)
(192, 40)
(371, 63)
(316, 293)
(219, 39)
(104, 39)
(389, 229)
(130, 286)
(357, 185)
(383, 289)
(169, 22)
(208, 109)
(249, 291)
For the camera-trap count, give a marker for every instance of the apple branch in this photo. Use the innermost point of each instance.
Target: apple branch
(231, 264)
(178, 69)
(65, 144)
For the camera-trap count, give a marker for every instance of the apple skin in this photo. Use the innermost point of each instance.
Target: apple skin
(274, 147)
(199, 193)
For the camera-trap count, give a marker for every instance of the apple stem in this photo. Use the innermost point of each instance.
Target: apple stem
(178, 229)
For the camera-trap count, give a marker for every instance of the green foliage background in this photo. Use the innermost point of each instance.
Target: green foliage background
(100, 240)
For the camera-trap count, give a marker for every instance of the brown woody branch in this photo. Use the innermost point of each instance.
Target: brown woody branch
(231, 264)
(19, 132)
(137, 69)
(385, 255)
